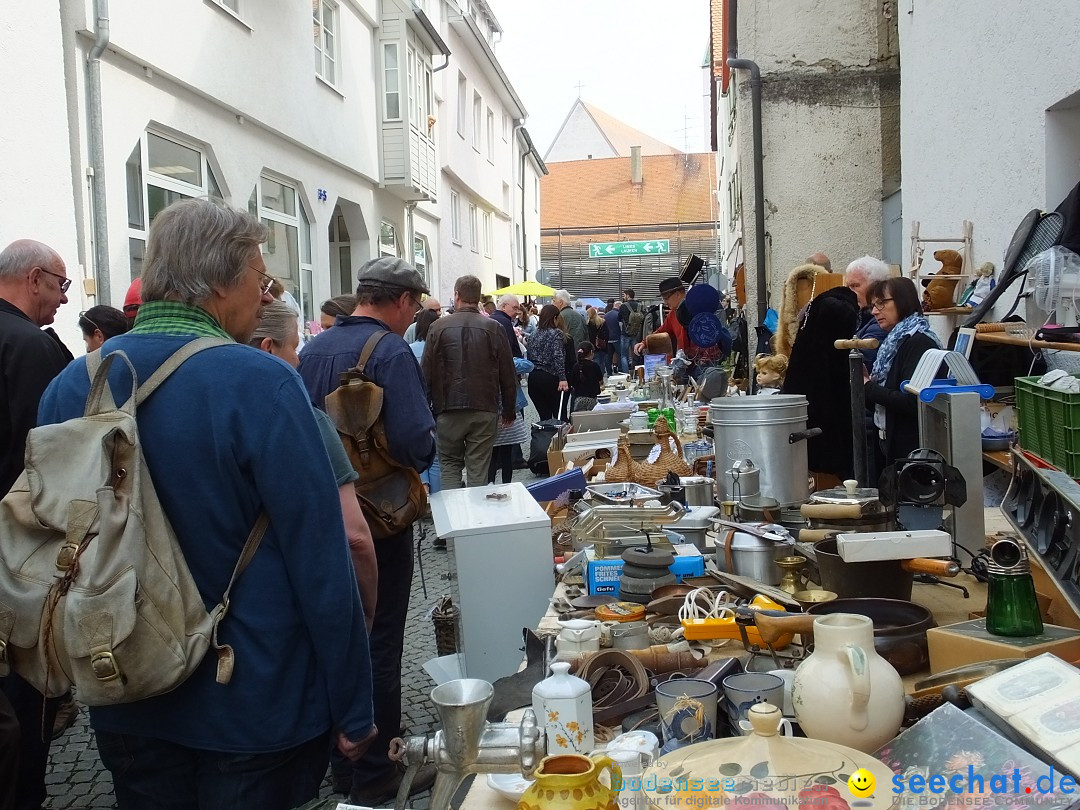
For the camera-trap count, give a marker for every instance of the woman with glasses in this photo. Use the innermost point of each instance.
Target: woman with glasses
(100, 323)
(895, 305)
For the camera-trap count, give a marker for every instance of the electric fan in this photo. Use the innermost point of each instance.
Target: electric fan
(1056, 273)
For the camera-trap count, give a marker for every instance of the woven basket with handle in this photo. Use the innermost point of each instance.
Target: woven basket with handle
(668, 461)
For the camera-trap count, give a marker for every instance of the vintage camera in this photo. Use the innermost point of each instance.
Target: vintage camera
(921, 486)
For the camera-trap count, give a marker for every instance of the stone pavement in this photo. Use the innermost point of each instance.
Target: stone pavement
(77, 779)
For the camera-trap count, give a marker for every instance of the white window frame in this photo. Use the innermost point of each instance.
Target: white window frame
(477, 121)
(326, 61)
(395, 251)
(474, 229)
(505, 127)
(489, 237)
(422, 256)
(536, 193)
(301, 220)
(462, 103)
(391, 84)
(491, 136)
(421, 98)
(455, 217)
(148, 178)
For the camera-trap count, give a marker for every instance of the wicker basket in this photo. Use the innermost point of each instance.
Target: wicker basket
(667, 461)
(445, 616)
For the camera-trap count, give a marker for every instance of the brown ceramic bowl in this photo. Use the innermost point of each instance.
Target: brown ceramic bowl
(678, 589)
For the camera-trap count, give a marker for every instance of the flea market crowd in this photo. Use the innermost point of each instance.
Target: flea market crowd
(323, 453)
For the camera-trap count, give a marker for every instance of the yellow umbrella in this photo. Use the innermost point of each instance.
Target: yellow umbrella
(533, 288)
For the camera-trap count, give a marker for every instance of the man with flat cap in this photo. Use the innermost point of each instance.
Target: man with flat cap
(387, 298)
(673, 293)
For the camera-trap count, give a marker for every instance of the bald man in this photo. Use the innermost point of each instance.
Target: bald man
(821, 260)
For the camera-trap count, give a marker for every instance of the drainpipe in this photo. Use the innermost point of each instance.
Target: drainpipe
(521, 174)
(410, 250)
(759, 178)
(96, 149)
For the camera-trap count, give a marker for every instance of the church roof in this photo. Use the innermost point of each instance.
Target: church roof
(619, 136)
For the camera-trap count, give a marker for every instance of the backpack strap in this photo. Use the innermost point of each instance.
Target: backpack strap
(369, 348)
(226, 657)
(174, 361)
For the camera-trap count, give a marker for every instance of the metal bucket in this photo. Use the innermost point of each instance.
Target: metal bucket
(762, 429)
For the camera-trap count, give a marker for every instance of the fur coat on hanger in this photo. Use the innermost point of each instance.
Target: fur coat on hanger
(788, 324)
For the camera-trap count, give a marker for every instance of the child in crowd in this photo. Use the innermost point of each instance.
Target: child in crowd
(586, 378)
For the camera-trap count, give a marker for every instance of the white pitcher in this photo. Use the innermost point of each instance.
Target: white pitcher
(577, 636)
(845, 692)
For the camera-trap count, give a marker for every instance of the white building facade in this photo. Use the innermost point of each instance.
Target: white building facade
(321, 119)
(987, 135)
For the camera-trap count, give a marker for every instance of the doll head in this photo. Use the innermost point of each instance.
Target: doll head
(770, 370)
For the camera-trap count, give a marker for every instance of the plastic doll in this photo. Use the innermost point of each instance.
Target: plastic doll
(771, 369)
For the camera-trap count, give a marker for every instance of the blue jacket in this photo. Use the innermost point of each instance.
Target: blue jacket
(223, 438)
(868, 328)
(410, 425)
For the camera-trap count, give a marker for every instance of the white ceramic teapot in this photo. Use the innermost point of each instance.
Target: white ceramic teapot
(577, 636)
(845, 692)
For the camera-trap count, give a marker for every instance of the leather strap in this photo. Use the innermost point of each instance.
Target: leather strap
(728, 559)
(226, 658)
(369, 347)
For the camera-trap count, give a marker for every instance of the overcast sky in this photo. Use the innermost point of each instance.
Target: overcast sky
(638, 60)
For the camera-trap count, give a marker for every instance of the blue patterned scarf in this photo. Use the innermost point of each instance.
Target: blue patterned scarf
(916, 322)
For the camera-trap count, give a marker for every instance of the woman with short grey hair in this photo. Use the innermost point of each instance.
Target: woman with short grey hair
(276, 335)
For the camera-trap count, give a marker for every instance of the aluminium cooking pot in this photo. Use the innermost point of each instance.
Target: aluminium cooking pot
(899, 628)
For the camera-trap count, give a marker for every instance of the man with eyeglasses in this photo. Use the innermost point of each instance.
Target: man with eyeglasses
(430, 304)
(388, 296)
(33, 285)
(505, 315)
(224, 437)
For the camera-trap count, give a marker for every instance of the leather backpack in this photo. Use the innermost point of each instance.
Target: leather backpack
(94, 589)
(391, 494)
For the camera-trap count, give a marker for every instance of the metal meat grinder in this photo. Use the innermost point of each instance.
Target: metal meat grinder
(467, 743)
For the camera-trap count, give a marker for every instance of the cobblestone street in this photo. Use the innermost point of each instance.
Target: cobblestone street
(77, 780)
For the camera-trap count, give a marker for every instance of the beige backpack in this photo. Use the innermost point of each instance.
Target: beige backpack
(94, 589)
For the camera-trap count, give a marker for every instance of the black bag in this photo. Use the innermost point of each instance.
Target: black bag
(542, 434)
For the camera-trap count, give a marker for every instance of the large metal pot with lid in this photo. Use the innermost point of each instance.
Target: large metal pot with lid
(849, 508)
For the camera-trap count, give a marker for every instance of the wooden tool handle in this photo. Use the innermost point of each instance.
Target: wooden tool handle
(939, 568)
(861, 343)
(832, 511)
(813, 535)
(771, 628)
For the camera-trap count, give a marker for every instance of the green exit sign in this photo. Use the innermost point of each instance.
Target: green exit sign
(653, 247)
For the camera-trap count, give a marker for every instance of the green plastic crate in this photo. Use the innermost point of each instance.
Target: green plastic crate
(1049, 423)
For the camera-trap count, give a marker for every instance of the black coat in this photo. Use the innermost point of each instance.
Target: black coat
(901, 408)
(29, 358)
(819, 371)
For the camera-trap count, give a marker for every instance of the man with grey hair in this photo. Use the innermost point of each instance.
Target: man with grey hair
(572, 320)
(224, 437)
(33, 285)
(509, 307)
(858, 277)
(470, 371)
(387, 299)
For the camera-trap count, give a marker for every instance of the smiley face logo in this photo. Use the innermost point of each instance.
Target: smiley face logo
(861, 783)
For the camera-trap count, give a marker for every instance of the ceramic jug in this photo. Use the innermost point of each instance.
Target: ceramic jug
(572, 782)
(577, 636)
(845, 692)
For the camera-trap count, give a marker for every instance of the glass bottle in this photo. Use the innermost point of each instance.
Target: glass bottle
(1011, 606)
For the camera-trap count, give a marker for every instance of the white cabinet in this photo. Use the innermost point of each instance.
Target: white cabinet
(505, 571)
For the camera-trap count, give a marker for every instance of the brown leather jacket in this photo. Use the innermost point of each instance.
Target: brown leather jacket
(467, 364)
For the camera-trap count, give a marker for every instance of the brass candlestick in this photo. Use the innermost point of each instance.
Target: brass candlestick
(791, 581)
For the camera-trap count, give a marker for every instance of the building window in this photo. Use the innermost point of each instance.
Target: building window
(491, 137)
(388, 241)
(391, 83)
(517, 242)
(160, 171)
(506, 127)
(287, 251)
(536, 193)
(455, 217)
(421, 100)
(422, 257)
(477, 120)
(324, 22)
(489, 242)
(474, 229)
(461, 102)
